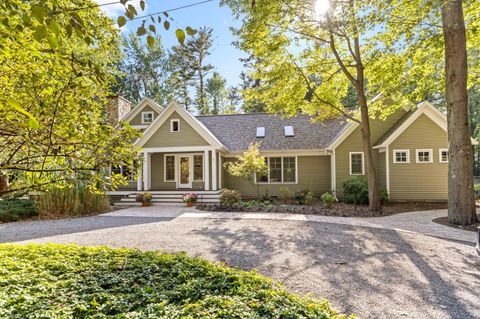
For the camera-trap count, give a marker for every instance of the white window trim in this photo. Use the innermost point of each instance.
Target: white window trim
(148, 112)
(171, 125)
(350, 163)
(165, 168)
(418, 150)
(440, 155)
(401, 151)
(130, 178)
(203, 170)
(267, 158)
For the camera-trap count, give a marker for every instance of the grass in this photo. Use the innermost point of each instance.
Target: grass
(68, 281)
(16, 209)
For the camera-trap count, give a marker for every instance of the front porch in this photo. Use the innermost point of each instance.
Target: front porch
(181, 168)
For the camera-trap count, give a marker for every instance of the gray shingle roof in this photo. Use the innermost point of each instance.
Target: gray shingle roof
(237, 131)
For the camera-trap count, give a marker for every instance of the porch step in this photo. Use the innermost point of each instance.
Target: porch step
(158, 197)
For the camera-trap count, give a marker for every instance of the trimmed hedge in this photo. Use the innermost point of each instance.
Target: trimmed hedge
(68, 281)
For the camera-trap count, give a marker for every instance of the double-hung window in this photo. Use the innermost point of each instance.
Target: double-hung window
(280, 170)
(198, 168)
(356, 163)
(169, 168)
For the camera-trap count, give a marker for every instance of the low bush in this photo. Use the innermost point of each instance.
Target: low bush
(253, 204)
(68, 281)
(309, 198)
(16, 209)
(476, 189)
(229, 198)
(303, 197)
(285, 194)
(384, 197)
(355, 190)
(71, 201)
(328, 199)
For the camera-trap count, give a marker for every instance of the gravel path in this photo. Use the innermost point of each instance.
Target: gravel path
(374, 272)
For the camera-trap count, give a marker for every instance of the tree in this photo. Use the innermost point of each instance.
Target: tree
(234, 99)
(217, 92)
(181, 78)
(53, 98)
(439, 41)
(249, 165)
(144, 71)
(339, 48)
(251, 104)
(461, 198)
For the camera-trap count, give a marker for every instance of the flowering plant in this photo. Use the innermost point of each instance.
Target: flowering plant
(190, 198)
(146, 197)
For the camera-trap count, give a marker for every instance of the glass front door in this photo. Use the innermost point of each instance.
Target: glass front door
(185, 180)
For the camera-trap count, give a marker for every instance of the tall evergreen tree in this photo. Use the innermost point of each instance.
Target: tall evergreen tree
(181, 77)
(216, 92)
(234, 98)
(145, 71)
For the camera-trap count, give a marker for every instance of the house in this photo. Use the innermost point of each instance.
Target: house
(184, 152)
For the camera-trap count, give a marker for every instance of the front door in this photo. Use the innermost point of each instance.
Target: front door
(185, 174)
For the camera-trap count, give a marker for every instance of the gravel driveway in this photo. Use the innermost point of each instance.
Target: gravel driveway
(375, 273)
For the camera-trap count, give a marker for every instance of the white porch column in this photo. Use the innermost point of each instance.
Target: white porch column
(214, 170)
(140, 179)
(146, 171)
(220, 166)
(206, 170)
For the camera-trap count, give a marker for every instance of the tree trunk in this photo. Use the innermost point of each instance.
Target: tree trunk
(3, 183)
(461, 200)
(373, 198)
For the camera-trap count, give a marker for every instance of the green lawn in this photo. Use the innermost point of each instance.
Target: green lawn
(68, 281)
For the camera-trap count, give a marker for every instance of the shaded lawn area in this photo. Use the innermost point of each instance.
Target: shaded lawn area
(65, 281)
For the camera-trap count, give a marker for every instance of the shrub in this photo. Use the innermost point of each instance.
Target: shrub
(309, 198)
(285, 194)
(300, 197)
(476, 189)
(384, 197)
(328, 199)
(16, 209)
(355, 190)
(69, 281)
(229, 198)
(71, 201)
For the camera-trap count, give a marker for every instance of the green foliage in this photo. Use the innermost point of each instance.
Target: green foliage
(248, 165)
(328, 199)
(229, 198)
(71, 200)
(285, 194)
(303, 197)
(254, 205)
(477, 191)
(384, 196)
(144, 71)
(53, 96)
(216, 92)
(16, 209)
(355, 190)
(65, 281)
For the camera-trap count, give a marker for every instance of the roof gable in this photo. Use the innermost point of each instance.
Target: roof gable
(425, 108)
(196, 125)
(139, 107)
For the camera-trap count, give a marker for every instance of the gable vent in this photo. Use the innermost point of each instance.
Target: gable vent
(261, 131)
(288, 131)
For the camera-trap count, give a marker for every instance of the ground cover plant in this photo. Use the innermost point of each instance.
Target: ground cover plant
(16, 209)
(68, 281)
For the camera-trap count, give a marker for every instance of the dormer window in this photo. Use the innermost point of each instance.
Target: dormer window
(288, 131)
(147, 117)
(261, 131)
(175, 125)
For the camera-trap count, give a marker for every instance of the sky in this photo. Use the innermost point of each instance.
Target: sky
(224, 56)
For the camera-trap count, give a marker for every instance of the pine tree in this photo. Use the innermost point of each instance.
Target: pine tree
(216, 92)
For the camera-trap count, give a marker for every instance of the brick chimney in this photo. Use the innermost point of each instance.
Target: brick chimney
(117, 108)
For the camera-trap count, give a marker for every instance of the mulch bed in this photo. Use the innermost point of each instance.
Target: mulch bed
(338, 209)
(444, 221)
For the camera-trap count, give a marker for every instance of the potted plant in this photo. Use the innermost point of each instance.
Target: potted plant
(144, 199)
(190, 199)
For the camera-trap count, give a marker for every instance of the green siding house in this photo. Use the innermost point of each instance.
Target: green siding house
(183, 152)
